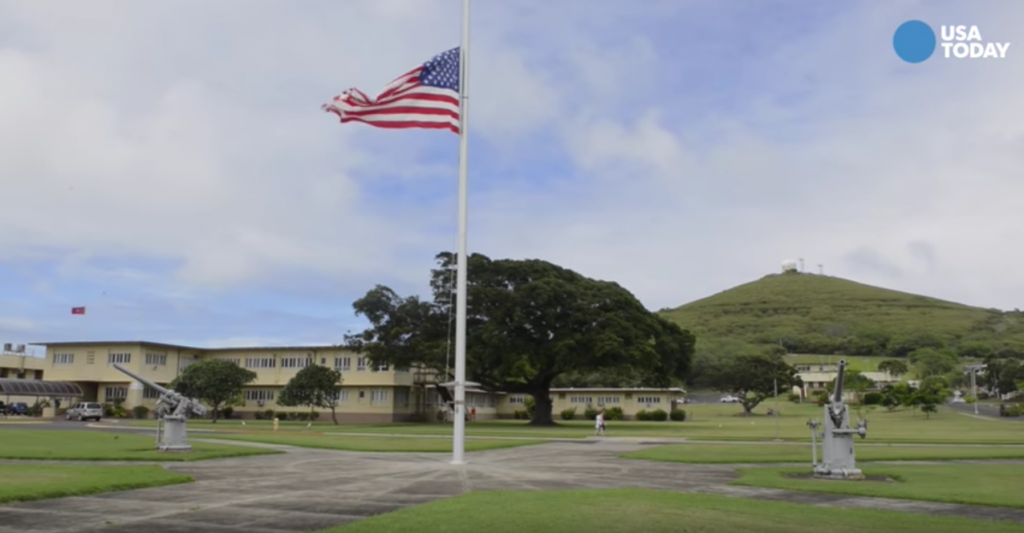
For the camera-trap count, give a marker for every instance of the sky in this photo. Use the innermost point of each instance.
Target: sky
(168, 165)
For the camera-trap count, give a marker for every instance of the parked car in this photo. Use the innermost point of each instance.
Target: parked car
(84, 411)
(18, 408)
(729, 399)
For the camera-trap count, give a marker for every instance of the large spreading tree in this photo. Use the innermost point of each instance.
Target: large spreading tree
(752, 378)
(528, 322)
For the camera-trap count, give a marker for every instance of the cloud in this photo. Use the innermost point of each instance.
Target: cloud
(680, 150)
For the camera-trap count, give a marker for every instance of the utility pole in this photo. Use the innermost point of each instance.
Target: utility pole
(821, 269)
(801, 264)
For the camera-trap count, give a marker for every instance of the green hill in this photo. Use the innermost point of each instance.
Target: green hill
(808, 313)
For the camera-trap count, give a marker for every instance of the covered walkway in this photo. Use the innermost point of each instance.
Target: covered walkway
(38, 387)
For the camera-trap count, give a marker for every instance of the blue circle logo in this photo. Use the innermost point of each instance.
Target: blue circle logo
(914, 41)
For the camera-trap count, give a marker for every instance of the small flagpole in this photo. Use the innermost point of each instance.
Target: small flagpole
(459, 432)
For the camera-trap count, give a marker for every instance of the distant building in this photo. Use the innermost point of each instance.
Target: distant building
(368, 394)
(817, 377)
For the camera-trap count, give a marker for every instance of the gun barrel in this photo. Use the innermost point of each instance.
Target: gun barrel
(141, 379)
(837, 394)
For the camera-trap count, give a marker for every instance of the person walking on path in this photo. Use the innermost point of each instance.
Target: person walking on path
(599, 423)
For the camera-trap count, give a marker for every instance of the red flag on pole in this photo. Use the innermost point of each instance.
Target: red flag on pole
(77, 310)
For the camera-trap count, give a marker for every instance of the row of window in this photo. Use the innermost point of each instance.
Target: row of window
(343, 364)
(589, 400)
(377, 396)
(472, 400)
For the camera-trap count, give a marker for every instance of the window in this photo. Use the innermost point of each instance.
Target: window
(90, 358)
(63, 358)
(113, 393)
(234, 360)
(648, 399)
(360, 364)
(343, 364)
(378, 396)
(517, 399)
(587, 400)
(150, 393)
(402, 396)
(258, 395)
(342, 396)
(382, 368)
(401, 369)
(296, 362)
(260, 362)
(602, 400)
(120, 358)
(157, 359)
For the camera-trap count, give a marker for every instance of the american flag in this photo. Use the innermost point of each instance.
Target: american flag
(425, 97)
(77, 310)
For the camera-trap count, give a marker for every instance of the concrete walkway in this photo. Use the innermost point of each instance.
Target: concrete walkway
(307, 490)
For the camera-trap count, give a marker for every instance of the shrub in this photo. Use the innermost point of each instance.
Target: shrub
(1015, 410)
(529, 405)
(984, 396)
(677, 415)
(520, 415)
(590, 413)
(269, 414)
(970, 399)
(140, 412)
(614, 413)
(643, 414)
(794, 397)
(314, 416)
(659, 415)
(872, 398)
(227, 412)
(568, 414)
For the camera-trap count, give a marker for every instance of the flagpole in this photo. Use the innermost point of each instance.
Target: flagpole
(459, 433)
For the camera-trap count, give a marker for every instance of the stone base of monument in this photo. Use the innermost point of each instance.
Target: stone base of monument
(854, 474)
(175, 448)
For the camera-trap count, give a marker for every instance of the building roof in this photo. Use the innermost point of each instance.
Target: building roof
(38, 387)
(183, 347)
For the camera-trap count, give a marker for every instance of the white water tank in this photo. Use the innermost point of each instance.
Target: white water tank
(790, 265)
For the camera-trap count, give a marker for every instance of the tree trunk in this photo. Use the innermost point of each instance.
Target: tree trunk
(542, 409)
(334, 416)
(216, 413)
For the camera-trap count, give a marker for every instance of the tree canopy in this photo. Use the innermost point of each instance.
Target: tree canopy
(752, 377)
(313, 386)
(528, 323)
(217, 382)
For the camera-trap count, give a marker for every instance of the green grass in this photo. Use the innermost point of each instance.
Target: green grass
(973, 484)
(96, 446)
(648, 511)
(789, 453)
(707, 422)
(369, 444)
(37, 482)
(806, 305)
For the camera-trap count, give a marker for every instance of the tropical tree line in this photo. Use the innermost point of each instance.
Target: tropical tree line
(219, 384)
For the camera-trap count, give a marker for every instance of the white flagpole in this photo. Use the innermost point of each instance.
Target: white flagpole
(459, 433)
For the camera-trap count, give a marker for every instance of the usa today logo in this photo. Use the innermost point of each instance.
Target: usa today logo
(915, 41)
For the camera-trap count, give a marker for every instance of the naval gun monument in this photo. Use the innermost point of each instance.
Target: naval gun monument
(838, 460)
(172, 414)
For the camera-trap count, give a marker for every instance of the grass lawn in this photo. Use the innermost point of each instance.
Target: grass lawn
(37, 482)
(789, 453)
(994, 485)
(707, 422)
(357, 443)
(636, 510)
(96, 446)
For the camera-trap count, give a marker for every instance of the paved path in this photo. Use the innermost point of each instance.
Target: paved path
(306, 490)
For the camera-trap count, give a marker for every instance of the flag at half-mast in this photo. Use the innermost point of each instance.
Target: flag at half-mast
(425, 97)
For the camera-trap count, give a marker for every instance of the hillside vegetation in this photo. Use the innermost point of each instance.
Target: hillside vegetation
(808, 313)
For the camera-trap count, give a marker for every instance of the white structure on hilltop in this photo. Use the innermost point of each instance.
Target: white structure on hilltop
(789, 265)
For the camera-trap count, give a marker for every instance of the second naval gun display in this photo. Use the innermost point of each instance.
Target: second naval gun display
(838, 460)
(173, 413)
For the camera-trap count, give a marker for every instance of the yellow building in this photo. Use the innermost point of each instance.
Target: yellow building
(16, 369)
(368, 395)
